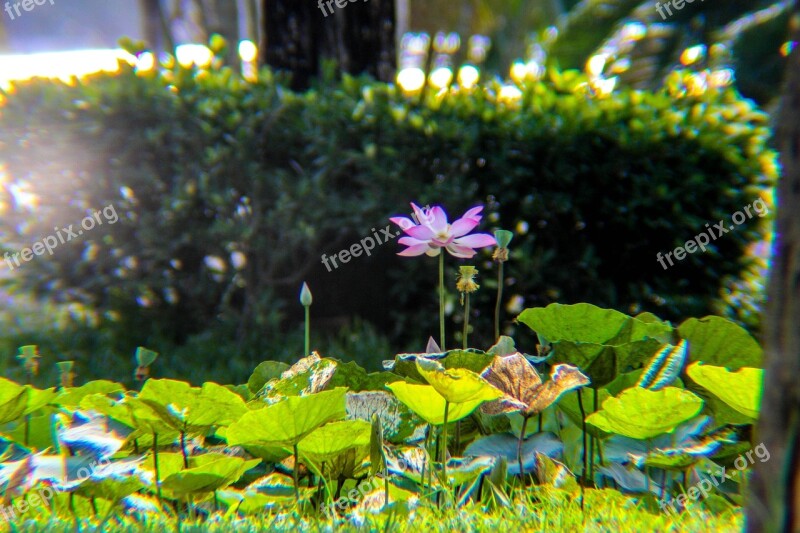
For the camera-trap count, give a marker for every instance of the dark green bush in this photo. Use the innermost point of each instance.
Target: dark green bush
(204, 164)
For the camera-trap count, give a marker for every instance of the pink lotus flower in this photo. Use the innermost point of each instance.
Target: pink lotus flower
(431, 232)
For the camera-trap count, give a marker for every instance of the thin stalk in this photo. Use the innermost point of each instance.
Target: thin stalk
(541, 415)
(443, 444)
(155, 466)
(519, 445)
(441, 301)
(583, 429)
(591, 457)
(28, 416)
(183, 450)
(425, 458)
(466, 318)
(296, 471)
(599, 442)
(499, 300)
(308, 330)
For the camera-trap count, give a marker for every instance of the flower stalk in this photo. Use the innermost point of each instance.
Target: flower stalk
(466, 285)
(503, 238)
(441, 302)
(306, 300)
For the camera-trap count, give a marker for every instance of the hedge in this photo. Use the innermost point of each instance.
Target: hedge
(206, 169)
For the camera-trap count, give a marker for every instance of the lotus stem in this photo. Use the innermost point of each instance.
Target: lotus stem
(296, 469)
(441, 301)
(499, 300)
(424, 459)
(183, 450)
(599, 442)
(308, 331)
(444, 443)
(466, 318)
(27, 436)
(583, 429)
(592, 439)
(155, 466)
(519, 446)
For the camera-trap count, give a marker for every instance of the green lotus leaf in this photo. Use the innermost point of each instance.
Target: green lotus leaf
(718, 341)
(264, 372)
(429, 404)
(72, 396)
(111, 488)
(552, 472)
(741, 390)
(600, 342)
(207, 473)
(40, 431)
(463, 470)
(38, 398)
(286, 423)
(503, 346)
(191, 409)
(355, 378)
(168, 463)
(642, 414)
(307, 376)
(330, 440)
(657, 459)
(470, 359)
(117, 410)
(270, 454)
(456, 385)
(264, 493)
(13, 400)
(148, 417)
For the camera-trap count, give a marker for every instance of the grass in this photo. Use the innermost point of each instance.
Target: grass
(541, 509)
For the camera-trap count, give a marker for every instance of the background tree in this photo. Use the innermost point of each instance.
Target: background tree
(168, 22)
(156, 29)
(775, 501)
(360, 37)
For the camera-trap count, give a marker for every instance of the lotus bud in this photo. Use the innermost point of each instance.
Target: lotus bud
(305, 295)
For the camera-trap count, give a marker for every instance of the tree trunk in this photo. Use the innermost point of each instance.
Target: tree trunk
(223, 18)
(359, 37)
(774, 503)
(4, 44)
(253, 23)
(156, 29)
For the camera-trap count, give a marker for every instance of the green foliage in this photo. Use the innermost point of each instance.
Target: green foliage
(741, 390)
(743, 34)
(602, 342)
(228, 192)
(641, 414)
(312, 431)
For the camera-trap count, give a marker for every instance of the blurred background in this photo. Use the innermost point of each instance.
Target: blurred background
(237, 150)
